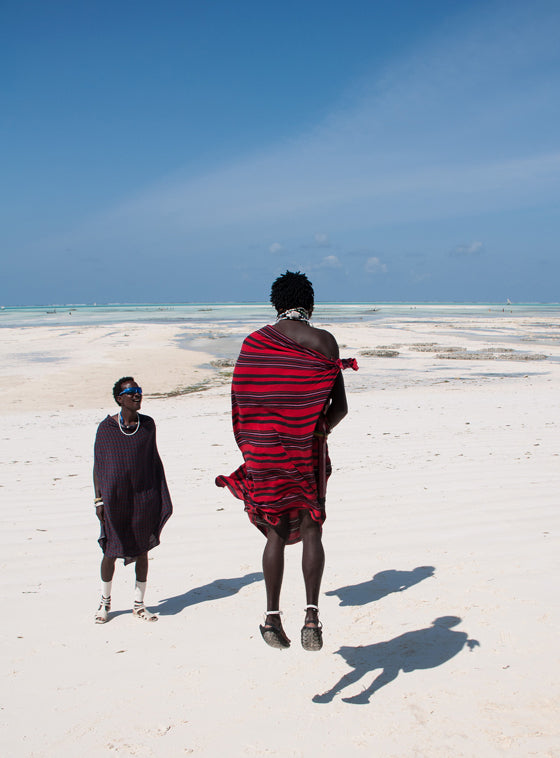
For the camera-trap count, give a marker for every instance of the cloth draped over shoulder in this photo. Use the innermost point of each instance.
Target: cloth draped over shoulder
(132, 482)
(279, 388)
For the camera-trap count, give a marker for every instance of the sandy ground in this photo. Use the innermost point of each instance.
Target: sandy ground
(439, 599)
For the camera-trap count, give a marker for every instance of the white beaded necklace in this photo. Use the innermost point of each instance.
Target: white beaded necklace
(294, 314)
(121, 424)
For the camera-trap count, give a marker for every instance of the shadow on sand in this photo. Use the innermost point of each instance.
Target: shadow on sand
(384, 583)
(421, 649)
(216, 590)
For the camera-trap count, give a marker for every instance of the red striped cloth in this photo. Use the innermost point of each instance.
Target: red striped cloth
(279, 389)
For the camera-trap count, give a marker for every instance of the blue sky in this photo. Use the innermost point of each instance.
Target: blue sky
(192, 151)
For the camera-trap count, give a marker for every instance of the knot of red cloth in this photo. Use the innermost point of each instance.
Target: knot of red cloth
(347, 363)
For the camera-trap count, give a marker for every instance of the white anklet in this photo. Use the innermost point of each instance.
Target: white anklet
(271, 613)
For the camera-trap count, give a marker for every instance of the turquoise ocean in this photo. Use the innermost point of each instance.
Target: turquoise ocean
(242, 315)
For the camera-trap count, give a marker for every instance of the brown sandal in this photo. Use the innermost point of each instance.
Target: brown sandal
(274, 635)
(312, 636)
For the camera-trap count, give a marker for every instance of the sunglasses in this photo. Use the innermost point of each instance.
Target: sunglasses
(131, 391)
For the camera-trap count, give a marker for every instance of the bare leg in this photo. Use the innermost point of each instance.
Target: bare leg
(107, 569)
(273, 570)
(312, 563)
(142, 568)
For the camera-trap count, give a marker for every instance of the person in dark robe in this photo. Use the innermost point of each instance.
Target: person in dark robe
(132, 501)
(287, 395)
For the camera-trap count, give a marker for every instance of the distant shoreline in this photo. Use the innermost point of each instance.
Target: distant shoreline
(248, 314)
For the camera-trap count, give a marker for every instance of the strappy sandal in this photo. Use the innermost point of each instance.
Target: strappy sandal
(274, 635)
(102, 613)
(312, 636)
(141, 612)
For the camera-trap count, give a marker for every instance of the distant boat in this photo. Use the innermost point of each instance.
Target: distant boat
(508, 301)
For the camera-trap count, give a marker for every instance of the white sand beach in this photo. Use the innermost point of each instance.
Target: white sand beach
(442, 544)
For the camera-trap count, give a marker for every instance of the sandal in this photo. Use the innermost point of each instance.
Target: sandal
(312, 636)
(102, 614)
(141, 612)
(274, 635)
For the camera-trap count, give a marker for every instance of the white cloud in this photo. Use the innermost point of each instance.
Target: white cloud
(275, 247)
(330, 261)
(474, 248)
(322, 240)
(327, 262)
(375, 266)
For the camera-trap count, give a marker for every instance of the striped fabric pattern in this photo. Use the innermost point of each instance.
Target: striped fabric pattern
(279, 388)
(134, 489)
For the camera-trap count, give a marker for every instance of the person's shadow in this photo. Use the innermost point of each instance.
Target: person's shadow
(215, 590)
(383, 583)
(421, 649)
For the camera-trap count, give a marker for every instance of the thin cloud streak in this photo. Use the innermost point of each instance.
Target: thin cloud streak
(414, 147)
(453, 144)
(462, 251)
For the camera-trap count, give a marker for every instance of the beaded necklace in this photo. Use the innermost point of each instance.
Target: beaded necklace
(121, 424)
(294, 314)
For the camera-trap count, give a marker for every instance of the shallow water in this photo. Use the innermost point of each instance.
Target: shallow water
(249, 314)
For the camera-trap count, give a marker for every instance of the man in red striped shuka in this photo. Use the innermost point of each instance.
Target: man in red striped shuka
(287, 394)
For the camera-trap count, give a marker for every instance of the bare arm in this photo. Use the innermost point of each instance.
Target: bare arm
(338, 407)
(98, 508)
